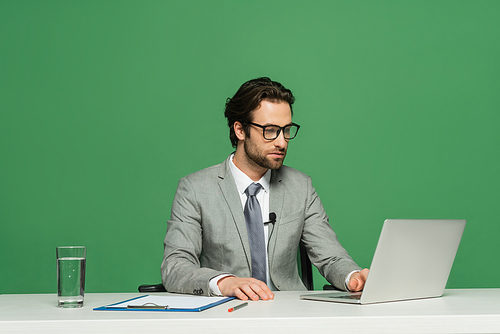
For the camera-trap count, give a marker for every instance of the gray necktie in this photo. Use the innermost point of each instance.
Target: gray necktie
(255, 228)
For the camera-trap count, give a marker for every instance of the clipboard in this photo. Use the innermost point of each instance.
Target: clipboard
(184, 303)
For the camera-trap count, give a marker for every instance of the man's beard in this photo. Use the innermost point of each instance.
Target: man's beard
(261, 158)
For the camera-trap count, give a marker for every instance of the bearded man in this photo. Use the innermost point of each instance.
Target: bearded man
(235, 227)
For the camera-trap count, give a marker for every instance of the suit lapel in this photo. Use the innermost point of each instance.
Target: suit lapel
(276, 202)
(229, 191)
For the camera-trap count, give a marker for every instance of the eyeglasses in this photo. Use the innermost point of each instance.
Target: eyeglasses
(271, 132)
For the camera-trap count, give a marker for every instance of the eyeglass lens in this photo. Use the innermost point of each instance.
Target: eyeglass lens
(272, 132)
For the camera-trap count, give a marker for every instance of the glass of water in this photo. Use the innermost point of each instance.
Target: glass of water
(70, 275)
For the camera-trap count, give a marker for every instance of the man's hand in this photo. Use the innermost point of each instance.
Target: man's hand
(245, 288)
(357, 280)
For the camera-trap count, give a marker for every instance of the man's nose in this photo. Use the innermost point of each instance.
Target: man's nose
(280, 141)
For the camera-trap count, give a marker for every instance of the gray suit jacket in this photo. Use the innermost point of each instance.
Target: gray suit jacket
(207, 235)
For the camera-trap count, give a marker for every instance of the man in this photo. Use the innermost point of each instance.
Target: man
(235, 227)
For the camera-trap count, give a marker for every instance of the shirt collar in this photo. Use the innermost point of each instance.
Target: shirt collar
(243, 181)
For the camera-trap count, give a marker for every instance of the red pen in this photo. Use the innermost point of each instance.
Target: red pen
(237, 307)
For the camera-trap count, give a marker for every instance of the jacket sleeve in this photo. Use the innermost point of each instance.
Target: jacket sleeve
(180, 269)
(322, 244)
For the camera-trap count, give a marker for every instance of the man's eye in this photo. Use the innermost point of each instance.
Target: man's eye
(270, 131)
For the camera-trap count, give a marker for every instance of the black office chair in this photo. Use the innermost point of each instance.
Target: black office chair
(152, 288)
(305, 270)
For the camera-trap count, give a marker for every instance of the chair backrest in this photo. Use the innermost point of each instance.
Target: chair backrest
(305, 268)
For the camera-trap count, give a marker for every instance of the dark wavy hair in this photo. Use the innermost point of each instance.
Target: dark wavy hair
(248, 98)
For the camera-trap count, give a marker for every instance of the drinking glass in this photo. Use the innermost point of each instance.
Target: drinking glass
(70, 276)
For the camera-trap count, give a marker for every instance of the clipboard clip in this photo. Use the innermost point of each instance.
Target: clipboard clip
(150, 306)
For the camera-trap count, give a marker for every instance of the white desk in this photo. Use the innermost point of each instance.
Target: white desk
(458, 311)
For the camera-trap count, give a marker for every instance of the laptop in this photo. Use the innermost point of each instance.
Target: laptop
(413, 260)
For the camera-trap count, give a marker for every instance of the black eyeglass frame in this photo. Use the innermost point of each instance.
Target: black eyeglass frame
(280, 129)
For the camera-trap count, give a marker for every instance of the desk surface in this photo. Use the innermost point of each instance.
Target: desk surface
(458, 311)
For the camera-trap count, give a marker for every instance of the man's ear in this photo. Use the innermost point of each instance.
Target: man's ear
(239, 131)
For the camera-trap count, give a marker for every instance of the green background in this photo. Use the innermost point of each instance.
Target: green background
(105, 105)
